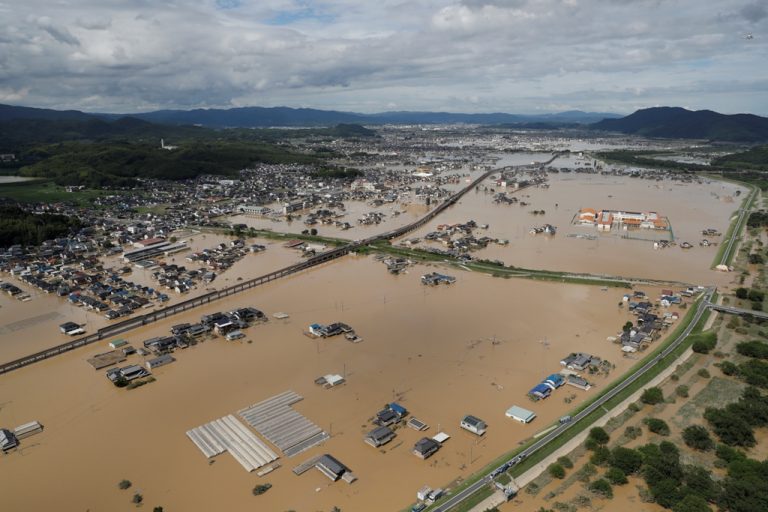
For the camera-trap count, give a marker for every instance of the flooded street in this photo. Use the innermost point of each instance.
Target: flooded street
(689, 207)
(442, 352)
(31, 326)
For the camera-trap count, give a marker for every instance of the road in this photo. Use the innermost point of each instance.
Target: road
(455, 500)
(739, 311)
(743, 212)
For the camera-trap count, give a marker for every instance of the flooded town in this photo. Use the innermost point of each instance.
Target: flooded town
(522, 278)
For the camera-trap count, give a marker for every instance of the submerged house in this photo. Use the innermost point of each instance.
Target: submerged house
(379, 436)
(473, 424)
(540, 391)
(425, 447)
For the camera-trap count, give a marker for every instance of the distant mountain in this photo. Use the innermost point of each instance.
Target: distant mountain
(252, 117)
(262, 117)
(679, 123)
(10, 112)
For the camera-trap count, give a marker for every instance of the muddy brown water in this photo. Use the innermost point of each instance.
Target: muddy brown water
(28, 327)
(689, 207)
(431, 348)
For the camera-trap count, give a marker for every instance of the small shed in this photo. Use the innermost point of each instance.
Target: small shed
(160, 361)
(520, 414)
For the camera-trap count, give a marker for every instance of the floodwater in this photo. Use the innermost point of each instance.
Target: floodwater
(405, 211)
(474, 347)
(28, 327)
(689, 207)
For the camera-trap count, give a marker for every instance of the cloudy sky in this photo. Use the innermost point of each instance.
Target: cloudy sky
(520, 56)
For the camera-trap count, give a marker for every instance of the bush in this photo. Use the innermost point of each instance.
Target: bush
(601, 487)
(703, 373)
(565, 462)
(692, 503)
(137, 498)
(261, 489)
(586, 472)
(634, 407)
(703, 343)
(729, 368)
(652, 396)
(599, 435)
(657, 426)
(601, 456)
(754, 348)
(682, 391)
(616, 476)
(157, 509)
(728, 453)
(731, 428)
(633, 432)
(629, 461)
(124, 484)
(556, 471)
(697, 437)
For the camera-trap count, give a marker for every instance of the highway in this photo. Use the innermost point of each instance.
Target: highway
(743, 212)
(454, 500)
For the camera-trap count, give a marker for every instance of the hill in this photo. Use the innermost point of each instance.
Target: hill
(679, 123)
(119, 164)
(755, 159)
(20, 133)
(9, 112)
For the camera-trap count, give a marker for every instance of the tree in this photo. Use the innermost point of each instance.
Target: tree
(742, 293)
(729, 427)
(652, 396)
(657, 426)
(601, 456)
(616, 476)
(313, 232)
(556, 471)
(729, 368)
(754, 348)
(601, 487)
(124, 484)
(699, 481)
(697, 437)
(565, 462)
(261, 489)
(666, 492)
(691, 503)
(599, 435)
(627, 460)
(627, 326)
(137, 498)
(682, 391)
(756, 295)
(157, 509)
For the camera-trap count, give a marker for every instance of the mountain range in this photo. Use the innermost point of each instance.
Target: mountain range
(659, 122)
(679, 123)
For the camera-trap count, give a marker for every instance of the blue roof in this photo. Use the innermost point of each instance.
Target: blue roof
(399, 409)
(555, 378)
(542, 389)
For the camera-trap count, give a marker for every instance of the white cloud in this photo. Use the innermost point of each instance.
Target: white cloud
(462, 55)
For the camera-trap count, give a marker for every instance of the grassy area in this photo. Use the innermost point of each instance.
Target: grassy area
(44, 191)
(590, 419)
(746, 204)
(474, 500)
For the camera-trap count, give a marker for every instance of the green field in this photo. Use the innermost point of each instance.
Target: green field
(44, 191)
